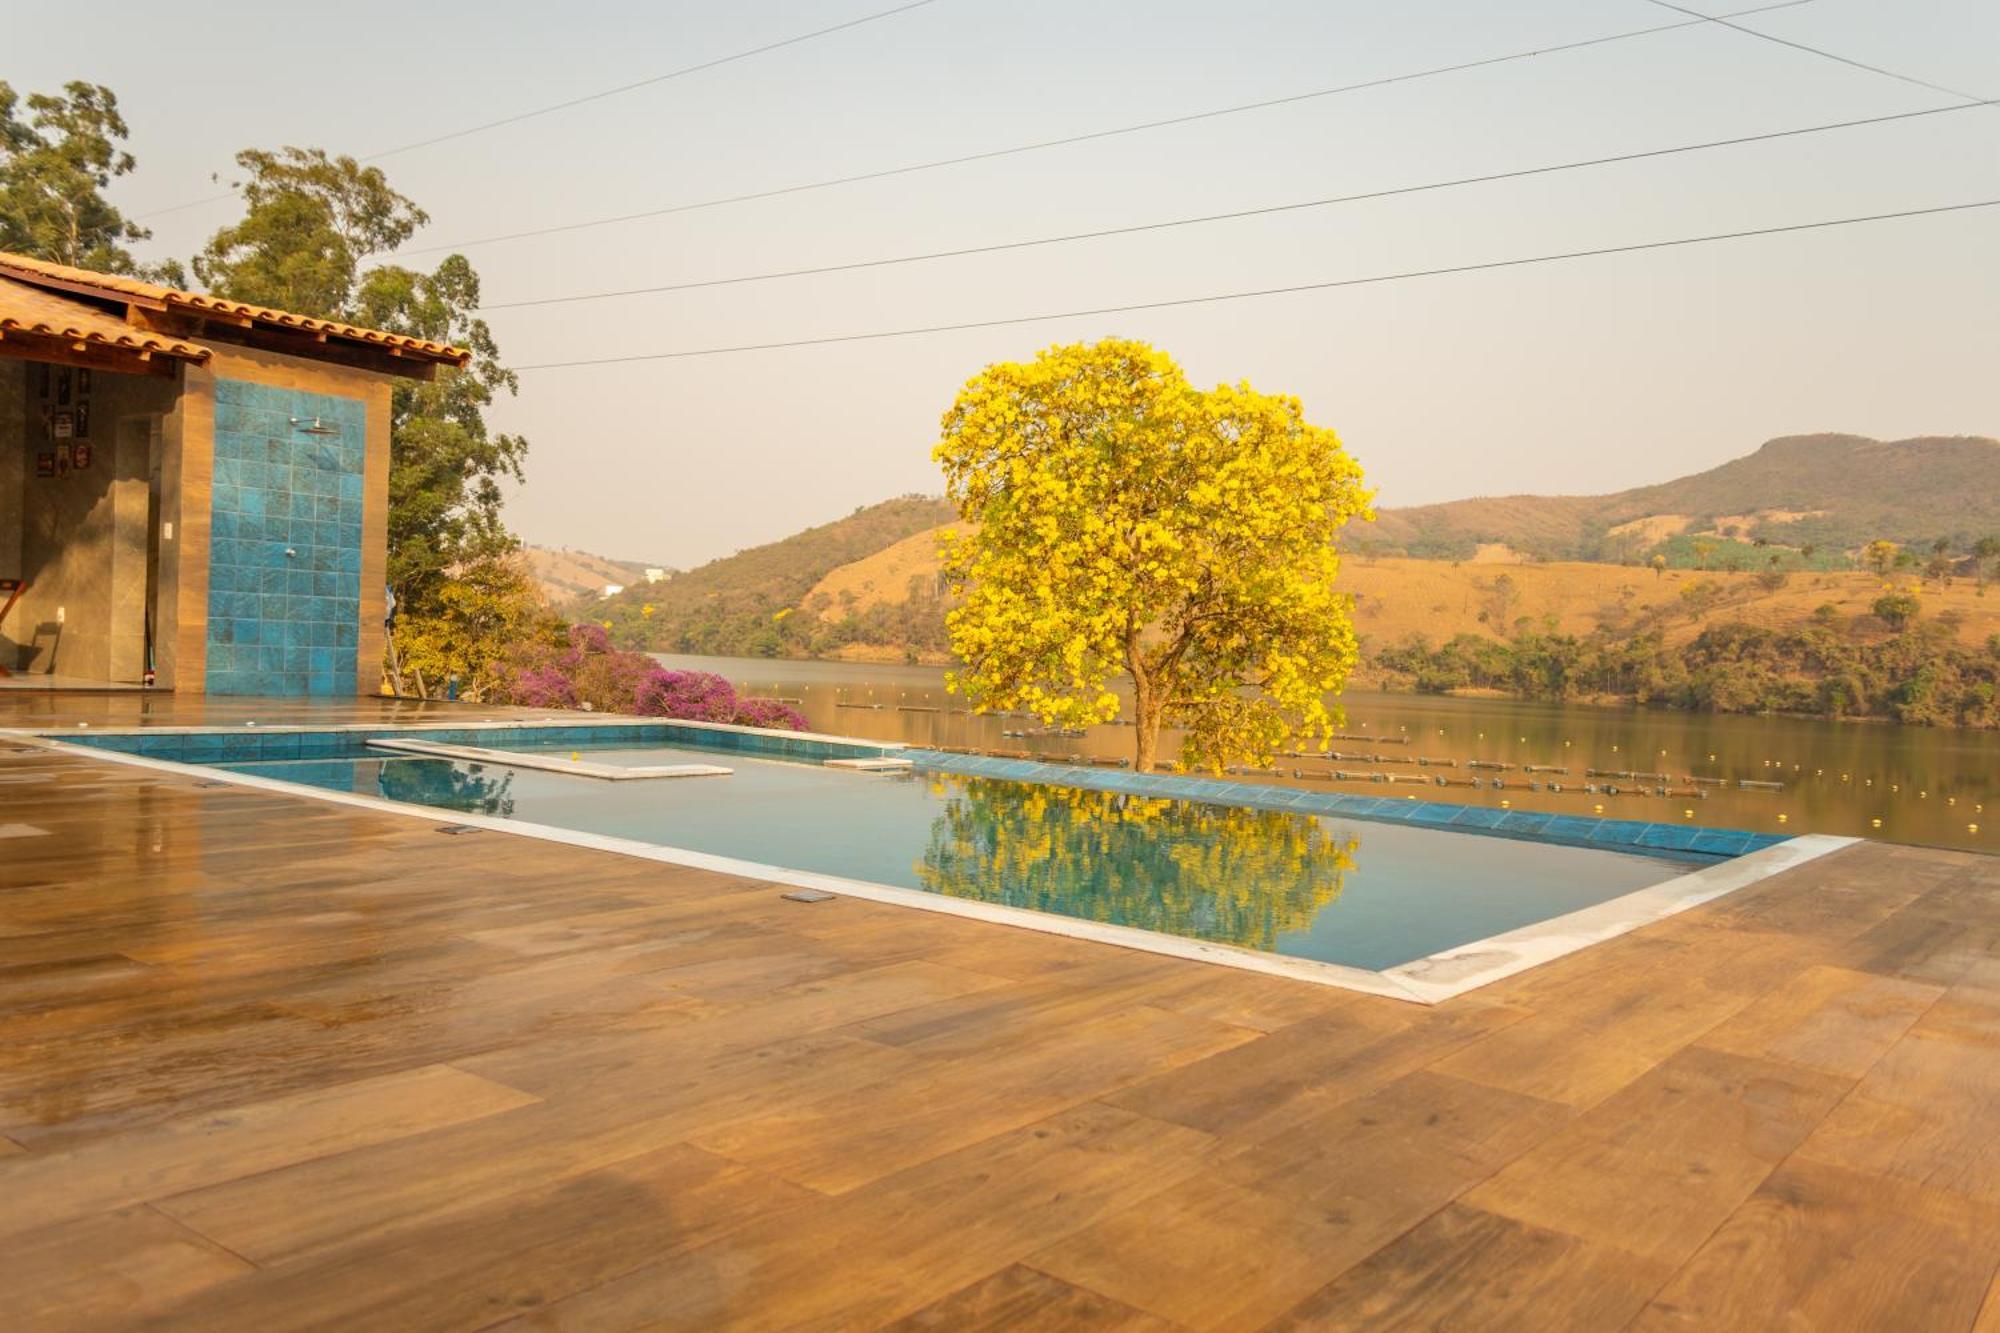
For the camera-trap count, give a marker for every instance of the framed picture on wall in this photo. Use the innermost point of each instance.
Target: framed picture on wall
(82, 381)
(42, 379)
(80, 455)
(63, 426)
(62, 387)
(45, 463)
(82, 416)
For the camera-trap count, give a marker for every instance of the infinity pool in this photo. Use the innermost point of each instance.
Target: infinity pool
(1353, 891)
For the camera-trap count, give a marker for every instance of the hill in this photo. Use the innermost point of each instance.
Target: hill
(565, 575)
(746, 603)
(1831, 493)
(1397, 597)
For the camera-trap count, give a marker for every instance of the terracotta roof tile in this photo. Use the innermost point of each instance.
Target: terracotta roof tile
(29, 309)
(173, 298)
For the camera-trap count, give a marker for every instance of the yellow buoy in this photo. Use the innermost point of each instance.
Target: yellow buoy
(1687, 814)
(1875, 823)
(1783, 818)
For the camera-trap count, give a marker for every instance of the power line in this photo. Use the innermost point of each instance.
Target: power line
(1817, 51)
(1091, 137)
(1237, 214)
(554, 107)
(1488, 265)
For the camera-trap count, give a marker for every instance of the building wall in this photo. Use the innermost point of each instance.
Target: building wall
(284, 541)
(247, 487)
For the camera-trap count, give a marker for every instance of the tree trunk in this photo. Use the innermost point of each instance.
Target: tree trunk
(1146, 705)
(1147, 712)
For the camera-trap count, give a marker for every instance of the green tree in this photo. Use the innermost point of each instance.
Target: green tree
(312, 224)
(1985, 559)
(1938, 568)
(1881, 555)
(1897, 609)
(55, 166)
(487, 611)
(1128, 522)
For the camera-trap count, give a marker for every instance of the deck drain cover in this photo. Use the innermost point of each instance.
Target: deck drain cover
(458, 828)
(808, 896)
(214, 784)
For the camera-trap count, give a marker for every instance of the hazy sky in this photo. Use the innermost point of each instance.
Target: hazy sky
(1577, 377)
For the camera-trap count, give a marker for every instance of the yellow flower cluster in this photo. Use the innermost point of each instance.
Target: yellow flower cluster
(1129, 523)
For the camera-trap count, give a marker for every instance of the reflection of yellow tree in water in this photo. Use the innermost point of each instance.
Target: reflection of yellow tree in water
(1211, 872)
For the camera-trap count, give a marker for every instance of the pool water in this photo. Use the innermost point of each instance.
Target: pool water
(1352, 891)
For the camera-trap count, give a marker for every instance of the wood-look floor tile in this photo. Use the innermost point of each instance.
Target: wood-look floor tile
(892, 1247)
(1464, 1268)
(1924, 1113)
(1657, 1167)
(107, 1270)
(42, 1188)
(1823, 1247)
(349, 1197)
(1022, 1298)
(1258, 1229)
(868, 1132)
(1827, 1018)
(471, 1267)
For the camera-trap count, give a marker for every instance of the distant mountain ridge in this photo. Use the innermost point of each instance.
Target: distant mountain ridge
(1805, 503)
(1832, 492)
(742, 603)
(565, 575)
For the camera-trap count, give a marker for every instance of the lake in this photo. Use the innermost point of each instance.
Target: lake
(1903, 784)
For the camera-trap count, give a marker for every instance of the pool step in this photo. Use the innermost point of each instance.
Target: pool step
(550, 763)
(883, 765)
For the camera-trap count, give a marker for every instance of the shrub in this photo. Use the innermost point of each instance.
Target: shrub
(585, 670)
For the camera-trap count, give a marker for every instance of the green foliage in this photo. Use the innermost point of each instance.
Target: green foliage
(1916, 675)
(311, 224)
(310, 221)
(1684, 551)
(55, 166)
(1896, 609)
(479, 620)
(750, 604)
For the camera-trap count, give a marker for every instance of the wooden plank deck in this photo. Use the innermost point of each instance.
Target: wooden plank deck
(268, 1063)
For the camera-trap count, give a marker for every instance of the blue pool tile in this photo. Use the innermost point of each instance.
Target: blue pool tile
(1670, 836)
(1720, 842)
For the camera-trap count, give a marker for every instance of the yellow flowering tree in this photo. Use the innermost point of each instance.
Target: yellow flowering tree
(1127, 522)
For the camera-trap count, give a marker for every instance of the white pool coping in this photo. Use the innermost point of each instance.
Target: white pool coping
(551, 762)
(1429, 980)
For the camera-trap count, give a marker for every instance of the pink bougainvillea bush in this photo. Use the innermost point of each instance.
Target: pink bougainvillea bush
(588, 672)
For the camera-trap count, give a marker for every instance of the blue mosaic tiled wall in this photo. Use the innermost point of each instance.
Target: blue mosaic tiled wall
(284, 561)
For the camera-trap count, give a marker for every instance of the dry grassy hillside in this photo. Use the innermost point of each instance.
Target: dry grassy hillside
(1396, 598)
(565, 575)
(884, 577)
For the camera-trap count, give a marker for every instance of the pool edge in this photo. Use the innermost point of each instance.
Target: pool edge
(1427, 981)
